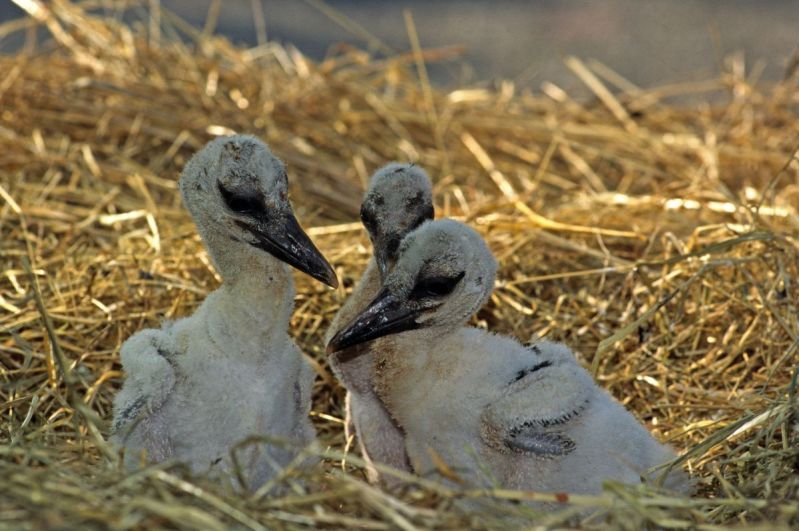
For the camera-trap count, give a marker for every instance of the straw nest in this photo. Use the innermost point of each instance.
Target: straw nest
(659, 241)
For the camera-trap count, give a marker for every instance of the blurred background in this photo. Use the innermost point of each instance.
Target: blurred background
(649, 42)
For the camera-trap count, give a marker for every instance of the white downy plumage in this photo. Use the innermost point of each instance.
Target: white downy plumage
(497, 412)
(398, 200)
(198, 386)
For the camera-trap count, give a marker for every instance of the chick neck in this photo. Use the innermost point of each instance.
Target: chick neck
(256, 297)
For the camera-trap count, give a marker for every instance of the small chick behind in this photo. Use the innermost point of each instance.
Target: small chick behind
(398, 200)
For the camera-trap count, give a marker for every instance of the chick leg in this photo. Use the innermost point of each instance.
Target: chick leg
(379, 437)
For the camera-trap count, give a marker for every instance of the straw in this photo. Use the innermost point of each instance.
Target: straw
(659, 241)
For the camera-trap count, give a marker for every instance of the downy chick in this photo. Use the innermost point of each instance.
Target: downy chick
(196, 387)
(497, 412)
(398, 200)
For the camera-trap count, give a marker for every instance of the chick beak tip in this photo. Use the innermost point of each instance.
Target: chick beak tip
(332, 280)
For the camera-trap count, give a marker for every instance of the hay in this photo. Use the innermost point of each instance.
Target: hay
(659, 241)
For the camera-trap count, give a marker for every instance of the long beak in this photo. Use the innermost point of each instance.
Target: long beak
(385, 261)
(384, 316)
(286, 241)
(386, 254)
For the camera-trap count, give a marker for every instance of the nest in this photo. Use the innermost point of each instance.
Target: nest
(659, 241)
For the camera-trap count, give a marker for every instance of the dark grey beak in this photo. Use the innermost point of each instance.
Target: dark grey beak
(386, 255)
(384, 316)
(387, 252)
(284, 239)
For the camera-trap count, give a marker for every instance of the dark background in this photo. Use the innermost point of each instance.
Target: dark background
(648, 41)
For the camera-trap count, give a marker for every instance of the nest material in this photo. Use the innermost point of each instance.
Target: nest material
(659, 241)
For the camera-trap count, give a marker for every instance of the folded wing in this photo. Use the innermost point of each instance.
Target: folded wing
(529, 415)
(149, 379)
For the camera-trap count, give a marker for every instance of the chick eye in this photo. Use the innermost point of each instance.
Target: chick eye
(426, 215)
(240, 203)
(435, 286)
(367, 218)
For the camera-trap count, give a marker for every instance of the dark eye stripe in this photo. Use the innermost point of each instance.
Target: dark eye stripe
(433, 287)
(242, 204)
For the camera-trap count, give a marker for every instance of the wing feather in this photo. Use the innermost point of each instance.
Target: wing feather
(149, 379)
(530, 415)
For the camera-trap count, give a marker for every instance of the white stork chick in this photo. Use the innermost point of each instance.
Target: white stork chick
(196, 387)
(398, 200)
(496, 412)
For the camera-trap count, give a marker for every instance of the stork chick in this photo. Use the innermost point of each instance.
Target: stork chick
(496, 412)
(196, 387)
(398, 200)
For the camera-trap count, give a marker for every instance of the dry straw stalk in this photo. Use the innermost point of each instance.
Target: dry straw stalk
(658, 240)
